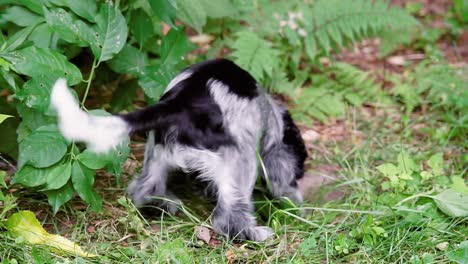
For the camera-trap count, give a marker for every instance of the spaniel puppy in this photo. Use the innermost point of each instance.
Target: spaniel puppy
(212, 119)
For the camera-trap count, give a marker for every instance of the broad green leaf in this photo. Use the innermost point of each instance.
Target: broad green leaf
(60, 196)
(142, 27)
(157, 78)
(459, 185)
(42, 36)
(452, 203)
(21, 16)
(129, 60)
(69, 28)
(58, 176)
(192, 13)
(83, 180)
(33, 5)
(43, 147)
(92, 160)
(436, 163)
(388, 169)
(174, 46)
(38, 62)
(111, 33)
(3, 117)
(32, 119)
(25, 224)
(36, 92)
(406, 164)
(30, 176)
(166, 10)
(18, 38)
(460, 254)
(218, 8)
(84, 8)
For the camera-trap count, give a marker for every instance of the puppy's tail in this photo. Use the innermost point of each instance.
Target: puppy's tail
(100, 133)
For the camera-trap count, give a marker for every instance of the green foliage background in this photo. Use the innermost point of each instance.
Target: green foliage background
(121, 48)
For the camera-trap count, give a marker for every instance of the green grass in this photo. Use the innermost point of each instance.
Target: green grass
(363, 225)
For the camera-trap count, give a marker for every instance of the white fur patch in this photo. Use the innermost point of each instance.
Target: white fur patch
(100, 133)
(180, 77)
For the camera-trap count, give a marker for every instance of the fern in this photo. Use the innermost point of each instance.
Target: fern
(332, 90)
(439, 85)
(255, 55)
(332, 24)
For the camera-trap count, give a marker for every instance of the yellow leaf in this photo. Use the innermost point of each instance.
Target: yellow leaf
(25, 224)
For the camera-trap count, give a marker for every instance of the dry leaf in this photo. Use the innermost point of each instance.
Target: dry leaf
(230, 256)
(203, 233)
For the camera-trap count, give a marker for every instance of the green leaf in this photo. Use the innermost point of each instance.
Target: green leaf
(30, 176)
(58, 176)
(68, 27)
(43, 147)
(42, 36)
(452, 203)
(406, 164)
(60, 196)
(192, 13)
(111, 33)
(174, 46)
(436, 163)
(18, 38)
(86, 9)
(459, 185)
(254, 54)
(142, 27)
(164, 9)
(388, 169)
(24, 224)
(3, 117)
(21, 16)
(36, 92)
(38, 62)
(157, 78)
(92, 160)
(129, 60)
(83, 180)
(459, 255)
(218, 8)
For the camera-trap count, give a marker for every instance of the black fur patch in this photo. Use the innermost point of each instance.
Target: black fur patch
(188, 111)
(292, 138)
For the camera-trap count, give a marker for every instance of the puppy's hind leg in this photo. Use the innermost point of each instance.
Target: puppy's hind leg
(152, 183)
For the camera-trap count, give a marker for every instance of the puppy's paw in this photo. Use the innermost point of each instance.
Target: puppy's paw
(260, 233)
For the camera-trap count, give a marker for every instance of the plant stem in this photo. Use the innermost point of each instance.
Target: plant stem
(88, 85)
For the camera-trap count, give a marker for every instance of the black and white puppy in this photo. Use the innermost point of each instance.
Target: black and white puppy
(211, 119)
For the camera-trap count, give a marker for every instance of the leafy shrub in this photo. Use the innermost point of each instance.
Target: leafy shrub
(49, 39)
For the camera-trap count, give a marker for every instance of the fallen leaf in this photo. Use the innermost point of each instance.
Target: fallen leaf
(203, 233)
(230, 256)
(25, 224)
(397, 60)
(310, 135)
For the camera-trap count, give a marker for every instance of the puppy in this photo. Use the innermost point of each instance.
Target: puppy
(212, 119)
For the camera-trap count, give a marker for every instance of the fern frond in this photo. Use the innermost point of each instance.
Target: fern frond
(332, 24)
(439, 85)
(332, 90)
(255, 55)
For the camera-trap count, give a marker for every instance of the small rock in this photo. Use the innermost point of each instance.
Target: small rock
(442, 246)
(310, 136)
